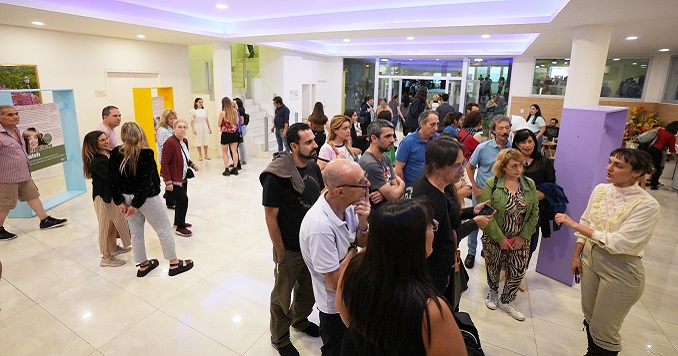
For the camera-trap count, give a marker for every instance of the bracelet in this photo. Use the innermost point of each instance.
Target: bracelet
(353, 245)
(367, 229)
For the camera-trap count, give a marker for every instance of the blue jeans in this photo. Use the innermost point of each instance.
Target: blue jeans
(282, 141)
(473, 237)
(241, 146)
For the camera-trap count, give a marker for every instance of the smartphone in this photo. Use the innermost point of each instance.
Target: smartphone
(510, 241)
(487, 210)
(577, 278)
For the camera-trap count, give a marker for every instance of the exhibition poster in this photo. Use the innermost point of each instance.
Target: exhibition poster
(41, 131)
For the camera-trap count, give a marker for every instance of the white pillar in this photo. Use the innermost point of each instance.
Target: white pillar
(587, 65)
(223, 81)
(656, 78)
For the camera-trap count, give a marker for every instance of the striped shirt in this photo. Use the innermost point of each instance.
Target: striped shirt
(13, 157)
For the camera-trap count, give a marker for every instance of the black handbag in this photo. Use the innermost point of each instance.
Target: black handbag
(189, 172)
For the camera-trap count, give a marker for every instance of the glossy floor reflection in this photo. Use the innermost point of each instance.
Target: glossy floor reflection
(55, 299)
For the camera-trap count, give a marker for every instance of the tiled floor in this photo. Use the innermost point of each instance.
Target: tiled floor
(55, 299)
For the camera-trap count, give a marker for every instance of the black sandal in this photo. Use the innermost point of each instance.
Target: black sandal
(181, 267)
(149, 264)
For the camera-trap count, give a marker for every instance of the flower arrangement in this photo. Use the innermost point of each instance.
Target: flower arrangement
(640, 122)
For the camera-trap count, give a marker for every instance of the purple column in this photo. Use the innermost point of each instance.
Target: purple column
(587, 136)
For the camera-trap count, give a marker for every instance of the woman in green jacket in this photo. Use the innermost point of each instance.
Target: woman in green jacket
(506, 239)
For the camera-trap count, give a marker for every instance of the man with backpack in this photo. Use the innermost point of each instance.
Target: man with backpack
(657, 145)
(479, 170)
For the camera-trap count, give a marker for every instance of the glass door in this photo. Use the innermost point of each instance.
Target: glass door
(454, 91)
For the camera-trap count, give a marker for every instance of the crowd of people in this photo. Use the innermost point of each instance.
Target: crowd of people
(359, 235)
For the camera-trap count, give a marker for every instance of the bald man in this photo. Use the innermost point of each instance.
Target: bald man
(329, 235)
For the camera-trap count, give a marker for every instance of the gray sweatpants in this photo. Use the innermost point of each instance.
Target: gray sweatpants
(153, 210)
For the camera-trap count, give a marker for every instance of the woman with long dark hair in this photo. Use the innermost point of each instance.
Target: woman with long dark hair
(537, 124)
(443, 167)
(200, 125)
(540, 170)
(385, 296)
(318, 120)
(135, 185)
(244, 122)
(611, 237)
(367, 113)
(358, 140)
(417, 106)
(112, 223)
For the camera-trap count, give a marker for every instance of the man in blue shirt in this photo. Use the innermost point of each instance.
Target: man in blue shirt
(280, 123)
(410, 155)
(481, 163)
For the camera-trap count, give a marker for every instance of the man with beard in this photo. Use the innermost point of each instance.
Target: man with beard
(385, 185)
(482, 160)
(291, 185)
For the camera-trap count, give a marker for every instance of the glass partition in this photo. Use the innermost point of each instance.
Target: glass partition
(624, 78)
(359, 81)
(671, 90)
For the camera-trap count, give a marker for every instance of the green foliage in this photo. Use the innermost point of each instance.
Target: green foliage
(12, 77)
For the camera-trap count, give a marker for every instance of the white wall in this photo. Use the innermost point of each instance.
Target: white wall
(79, 62)
(286, 71)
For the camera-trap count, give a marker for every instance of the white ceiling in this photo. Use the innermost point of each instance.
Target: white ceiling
(443, 28)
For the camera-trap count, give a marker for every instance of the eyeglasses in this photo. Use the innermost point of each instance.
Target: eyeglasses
(461, 167)
(353, 186)
(434, 225)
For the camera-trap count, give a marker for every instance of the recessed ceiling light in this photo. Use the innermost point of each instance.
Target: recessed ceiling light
(664, 50)
(222, 6)
(141, 36)
(485, 36)
(384, 59)
(631, 38)
(615, 59)
(410, 38)
(478, 60)
(634, 64)
(536, 66)
(567, 59)
(410, 59)
(38, 23)
(554, 62)
(542, 65)
(437, 59)
(347, 40)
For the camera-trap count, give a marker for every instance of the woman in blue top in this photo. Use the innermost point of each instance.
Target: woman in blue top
(452, 122)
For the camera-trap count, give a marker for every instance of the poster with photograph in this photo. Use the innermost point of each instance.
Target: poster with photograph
(40, 128)
(158, 108)
(13, 76)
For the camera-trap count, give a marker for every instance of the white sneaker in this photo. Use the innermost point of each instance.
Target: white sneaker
(491, 300)
(512, 310)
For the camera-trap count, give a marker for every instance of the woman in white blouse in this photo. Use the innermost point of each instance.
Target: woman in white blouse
(611, 236)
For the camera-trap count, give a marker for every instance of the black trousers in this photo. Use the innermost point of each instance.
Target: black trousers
(181, 203)
(657, 156)
(332, 330)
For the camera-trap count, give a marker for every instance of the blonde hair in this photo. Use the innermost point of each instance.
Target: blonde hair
(335, 124)
(133, 141)
(164, 122)
(503, 159)
(229, 111)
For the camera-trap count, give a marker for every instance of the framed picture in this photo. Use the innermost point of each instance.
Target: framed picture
(21, 76)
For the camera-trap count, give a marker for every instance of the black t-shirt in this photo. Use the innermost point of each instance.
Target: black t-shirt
(279, 193)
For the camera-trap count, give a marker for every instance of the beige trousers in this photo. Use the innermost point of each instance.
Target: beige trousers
(111, 224)
(610, 285)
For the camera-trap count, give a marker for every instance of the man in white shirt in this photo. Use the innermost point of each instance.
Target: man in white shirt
(111, 119)
(329, 235)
